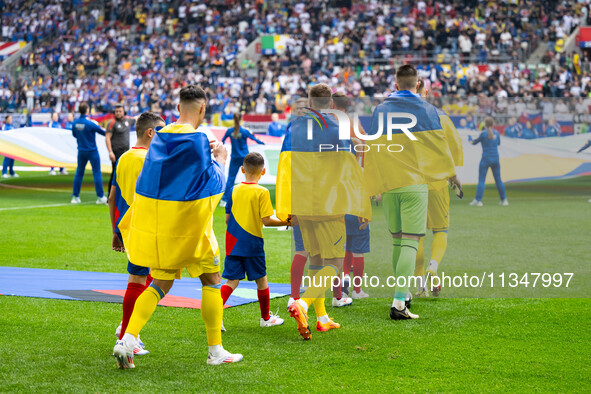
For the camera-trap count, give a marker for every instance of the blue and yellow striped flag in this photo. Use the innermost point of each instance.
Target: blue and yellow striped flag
(318, 175)
(429, 159)
(169, 224)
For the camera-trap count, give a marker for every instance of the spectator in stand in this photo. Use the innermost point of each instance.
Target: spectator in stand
(276, 129)
(529, 131)
(70, 122)
(514, 129)
(8, 164)
(552, 128)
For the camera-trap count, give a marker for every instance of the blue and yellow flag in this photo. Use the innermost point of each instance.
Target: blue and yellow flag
(318, 174)
(171, 219)
(429, 159)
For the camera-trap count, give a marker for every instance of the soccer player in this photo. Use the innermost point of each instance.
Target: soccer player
(56, 124)
(247, 209)
(117, 136)
(357, 243)
(238, 137)
(403, 176)
(490, 140)
(70, 122)
(437, 217)
(300, 257)
(8, 164)
(120, 199)
(169, 226)
(306, 196)
(84, 130)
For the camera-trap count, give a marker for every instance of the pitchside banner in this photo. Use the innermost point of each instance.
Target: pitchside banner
(259, 124)
(372, 182)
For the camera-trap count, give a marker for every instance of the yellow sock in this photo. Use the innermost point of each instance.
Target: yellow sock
(320, 307)
(319, 283)
(420, 263)
(143, 309)
(439, 246)
(212, 312)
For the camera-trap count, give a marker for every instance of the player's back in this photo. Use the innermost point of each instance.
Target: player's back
(396, 161)
(490, 146)
(249, 203)
(125, 178)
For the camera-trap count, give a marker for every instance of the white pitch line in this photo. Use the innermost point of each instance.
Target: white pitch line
(42, 206)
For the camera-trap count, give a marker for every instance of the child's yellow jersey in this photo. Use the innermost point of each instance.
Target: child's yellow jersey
(247, 206)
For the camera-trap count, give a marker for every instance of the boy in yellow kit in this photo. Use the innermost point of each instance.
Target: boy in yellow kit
(247, 209)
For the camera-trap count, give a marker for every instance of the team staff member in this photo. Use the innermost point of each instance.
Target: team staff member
(84, 130)
(117, 136)
(490, 140)
(238, 137)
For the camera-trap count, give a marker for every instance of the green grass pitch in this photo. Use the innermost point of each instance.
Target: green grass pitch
(458, 344)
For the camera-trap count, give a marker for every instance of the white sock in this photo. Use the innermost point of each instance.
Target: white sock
(216, 349)
(421, 283)
(303, 304)
(128, 338)
(433, 265)
(323, 319)
(398, 304)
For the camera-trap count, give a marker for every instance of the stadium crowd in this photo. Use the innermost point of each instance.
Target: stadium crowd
(142, 53)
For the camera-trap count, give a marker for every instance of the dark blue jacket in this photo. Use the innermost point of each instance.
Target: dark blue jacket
(83, 129)
(490, 150)
(239, 146)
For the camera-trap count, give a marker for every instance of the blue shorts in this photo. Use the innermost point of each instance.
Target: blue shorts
(297, 239)
(133, 269)
(236, 266)
(358, 243)
(357, 239)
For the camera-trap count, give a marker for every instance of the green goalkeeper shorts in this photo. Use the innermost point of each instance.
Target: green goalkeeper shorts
(406, 209)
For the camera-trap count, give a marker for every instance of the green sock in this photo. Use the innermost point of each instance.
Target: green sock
(406, 265)
(395, 252)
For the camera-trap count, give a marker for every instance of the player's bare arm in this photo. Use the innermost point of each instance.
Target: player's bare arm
(117, 245)
(272, 222)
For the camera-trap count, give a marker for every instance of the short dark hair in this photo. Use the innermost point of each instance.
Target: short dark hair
(320, 95)
(340, 100)
(119, 106)
(253, 162)
(192, 93)
(83, 108)
(147, 120)
(407, 77)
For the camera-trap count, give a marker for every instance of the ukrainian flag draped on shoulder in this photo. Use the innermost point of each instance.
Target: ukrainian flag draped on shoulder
(426, 160)
(318, 175)
(171, 219)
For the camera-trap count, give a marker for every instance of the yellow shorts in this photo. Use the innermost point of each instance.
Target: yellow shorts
(438, 209)
(324, 237)
(194, 269)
